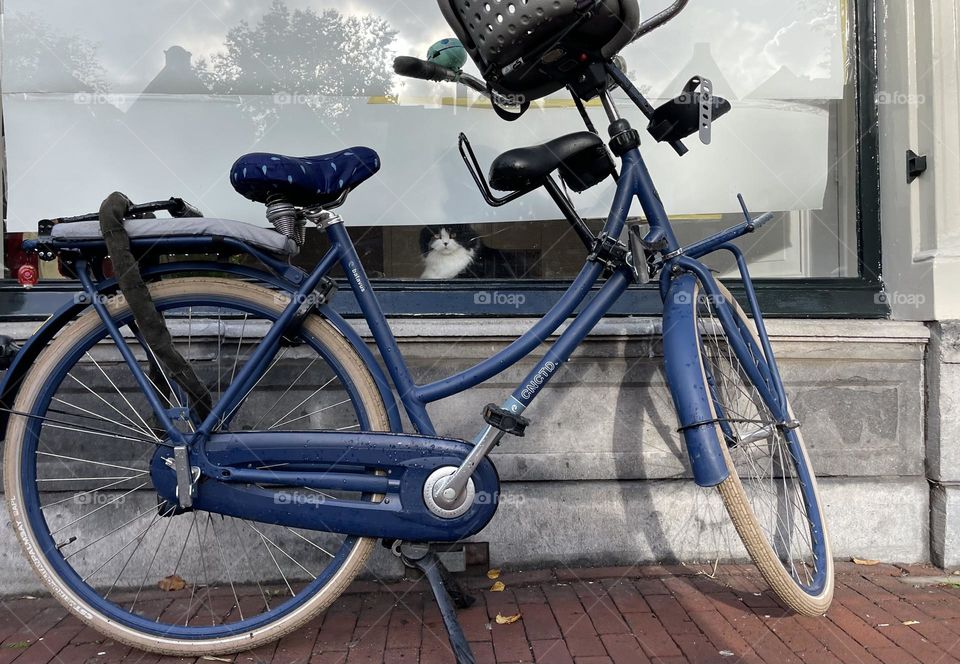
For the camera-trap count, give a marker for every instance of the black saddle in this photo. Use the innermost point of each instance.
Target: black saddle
(581, 158)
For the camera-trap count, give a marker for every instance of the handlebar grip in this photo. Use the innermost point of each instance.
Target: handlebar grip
(762, 221)
(410, 67)
(180, 209)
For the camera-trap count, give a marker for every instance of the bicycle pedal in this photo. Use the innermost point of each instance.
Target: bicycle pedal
(504, 420)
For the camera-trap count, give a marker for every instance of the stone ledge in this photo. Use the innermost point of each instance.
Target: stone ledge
(603, 523)
(879, 331)
(883, 331)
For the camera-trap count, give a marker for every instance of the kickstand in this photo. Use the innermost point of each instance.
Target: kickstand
(448, 593)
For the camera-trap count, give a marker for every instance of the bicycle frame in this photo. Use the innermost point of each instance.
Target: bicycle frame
(634, 182)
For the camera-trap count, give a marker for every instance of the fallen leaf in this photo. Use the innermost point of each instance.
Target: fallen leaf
(493, 574)
(170, 584)
(497, 587)
(507, 620)
(865, 561)
(17, 645)
(911, 622)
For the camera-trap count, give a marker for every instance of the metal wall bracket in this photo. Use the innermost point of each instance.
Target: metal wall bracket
(916, 165)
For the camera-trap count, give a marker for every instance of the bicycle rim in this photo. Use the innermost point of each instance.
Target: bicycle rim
(95, 526)
(772, 492)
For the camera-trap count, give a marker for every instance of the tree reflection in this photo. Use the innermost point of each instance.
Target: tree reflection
(37, 58)
(305, 58)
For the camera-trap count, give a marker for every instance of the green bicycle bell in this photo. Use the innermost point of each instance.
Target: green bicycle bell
(448, 53)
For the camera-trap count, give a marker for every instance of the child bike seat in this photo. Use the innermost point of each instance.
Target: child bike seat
(302, 181)
(581, 157)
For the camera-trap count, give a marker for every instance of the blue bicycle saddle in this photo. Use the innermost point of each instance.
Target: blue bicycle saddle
(302, 181)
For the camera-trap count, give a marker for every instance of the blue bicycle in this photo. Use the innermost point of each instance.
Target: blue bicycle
(213, 505)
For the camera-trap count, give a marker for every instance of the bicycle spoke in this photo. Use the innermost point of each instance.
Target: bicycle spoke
(316, 412)
(243, 399)
(108, 534)
(286, 392)
(287, 555)
(91, 415)
(203, 566)
(75, 496)
(311, 542)
(223, 561)
(139, 539)
(315, 393)
(70, 426)
(95, 463)
(168, 516)
(263, 540)
(236, 357)
(760, 450)
(105, 505)
(246, 556)
(115, 389)
(112, 558)
(211, 570)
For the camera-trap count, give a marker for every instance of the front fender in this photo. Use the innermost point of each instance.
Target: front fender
(688, 384)
(13, 378)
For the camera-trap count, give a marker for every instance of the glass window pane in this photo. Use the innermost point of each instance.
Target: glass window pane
(164, 107)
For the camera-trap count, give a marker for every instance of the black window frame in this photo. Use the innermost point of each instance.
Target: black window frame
(811, 297)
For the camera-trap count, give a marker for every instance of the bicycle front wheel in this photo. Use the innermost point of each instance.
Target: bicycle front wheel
(78, 487)
(771, 492)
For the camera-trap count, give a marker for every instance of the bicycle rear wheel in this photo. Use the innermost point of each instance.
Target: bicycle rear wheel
(771, 492)
(80, 497)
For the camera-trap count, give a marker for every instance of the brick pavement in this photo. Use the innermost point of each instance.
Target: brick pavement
(664, 615)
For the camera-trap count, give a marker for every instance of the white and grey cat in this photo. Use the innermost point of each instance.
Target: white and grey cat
(449, 251)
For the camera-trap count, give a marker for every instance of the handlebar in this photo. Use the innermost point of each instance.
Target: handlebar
(410, 67)
(405, 65)
(659, 20)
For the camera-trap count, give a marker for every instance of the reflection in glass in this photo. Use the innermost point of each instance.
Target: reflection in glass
(164, 107)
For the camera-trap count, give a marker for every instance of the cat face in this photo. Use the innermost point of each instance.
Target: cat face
(447, 240)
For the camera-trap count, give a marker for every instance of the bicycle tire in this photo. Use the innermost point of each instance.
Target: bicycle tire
(28, 527)
(809, 596)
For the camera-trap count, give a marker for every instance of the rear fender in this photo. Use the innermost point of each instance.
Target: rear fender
(13, 378)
